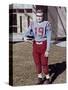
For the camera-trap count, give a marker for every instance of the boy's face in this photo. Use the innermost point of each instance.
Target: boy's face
(39, 16)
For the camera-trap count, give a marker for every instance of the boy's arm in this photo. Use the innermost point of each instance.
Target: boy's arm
(28, 35)
(48, 35)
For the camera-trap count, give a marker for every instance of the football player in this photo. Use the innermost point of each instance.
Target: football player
(40, 31)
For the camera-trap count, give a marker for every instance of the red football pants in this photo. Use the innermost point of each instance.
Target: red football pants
(40, 60)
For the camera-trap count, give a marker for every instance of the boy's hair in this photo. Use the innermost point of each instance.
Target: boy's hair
(39, 11)
(44, 9)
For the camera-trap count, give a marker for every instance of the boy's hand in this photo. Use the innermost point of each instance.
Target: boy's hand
(46, 53)
(25, 39)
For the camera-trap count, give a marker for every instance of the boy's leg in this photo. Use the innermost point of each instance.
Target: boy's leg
(44, 61)
(45, 69)
(38, 68)
(37, 61)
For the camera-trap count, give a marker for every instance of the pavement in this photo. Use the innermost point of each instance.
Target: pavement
(24, 72)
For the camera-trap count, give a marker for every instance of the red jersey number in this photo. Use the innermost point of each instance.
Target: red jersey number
(39, 31)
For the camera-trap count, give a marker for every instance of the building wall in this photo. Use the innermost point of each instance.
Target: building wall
(61, 22)
(19, 19)
(57, 17)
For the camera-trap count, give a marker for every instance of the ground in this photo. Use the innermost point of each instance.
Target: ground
(24, 72)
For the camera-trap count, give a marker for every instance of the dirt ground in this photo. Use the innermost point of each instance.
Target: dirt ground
(24, 72)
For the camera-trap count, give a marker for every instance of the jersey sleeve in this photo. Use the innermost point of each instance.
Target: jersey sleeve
(29, 31)
(48, 35)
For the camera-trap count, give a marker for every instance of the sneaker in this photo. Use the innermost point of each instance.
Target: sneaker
(40, 81)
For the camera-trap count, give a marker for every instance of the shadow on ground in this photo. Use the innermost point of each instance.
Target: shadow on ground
(56, 69)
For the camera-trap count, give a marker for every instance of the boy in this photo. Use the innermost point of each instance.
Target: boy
(41, 33)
